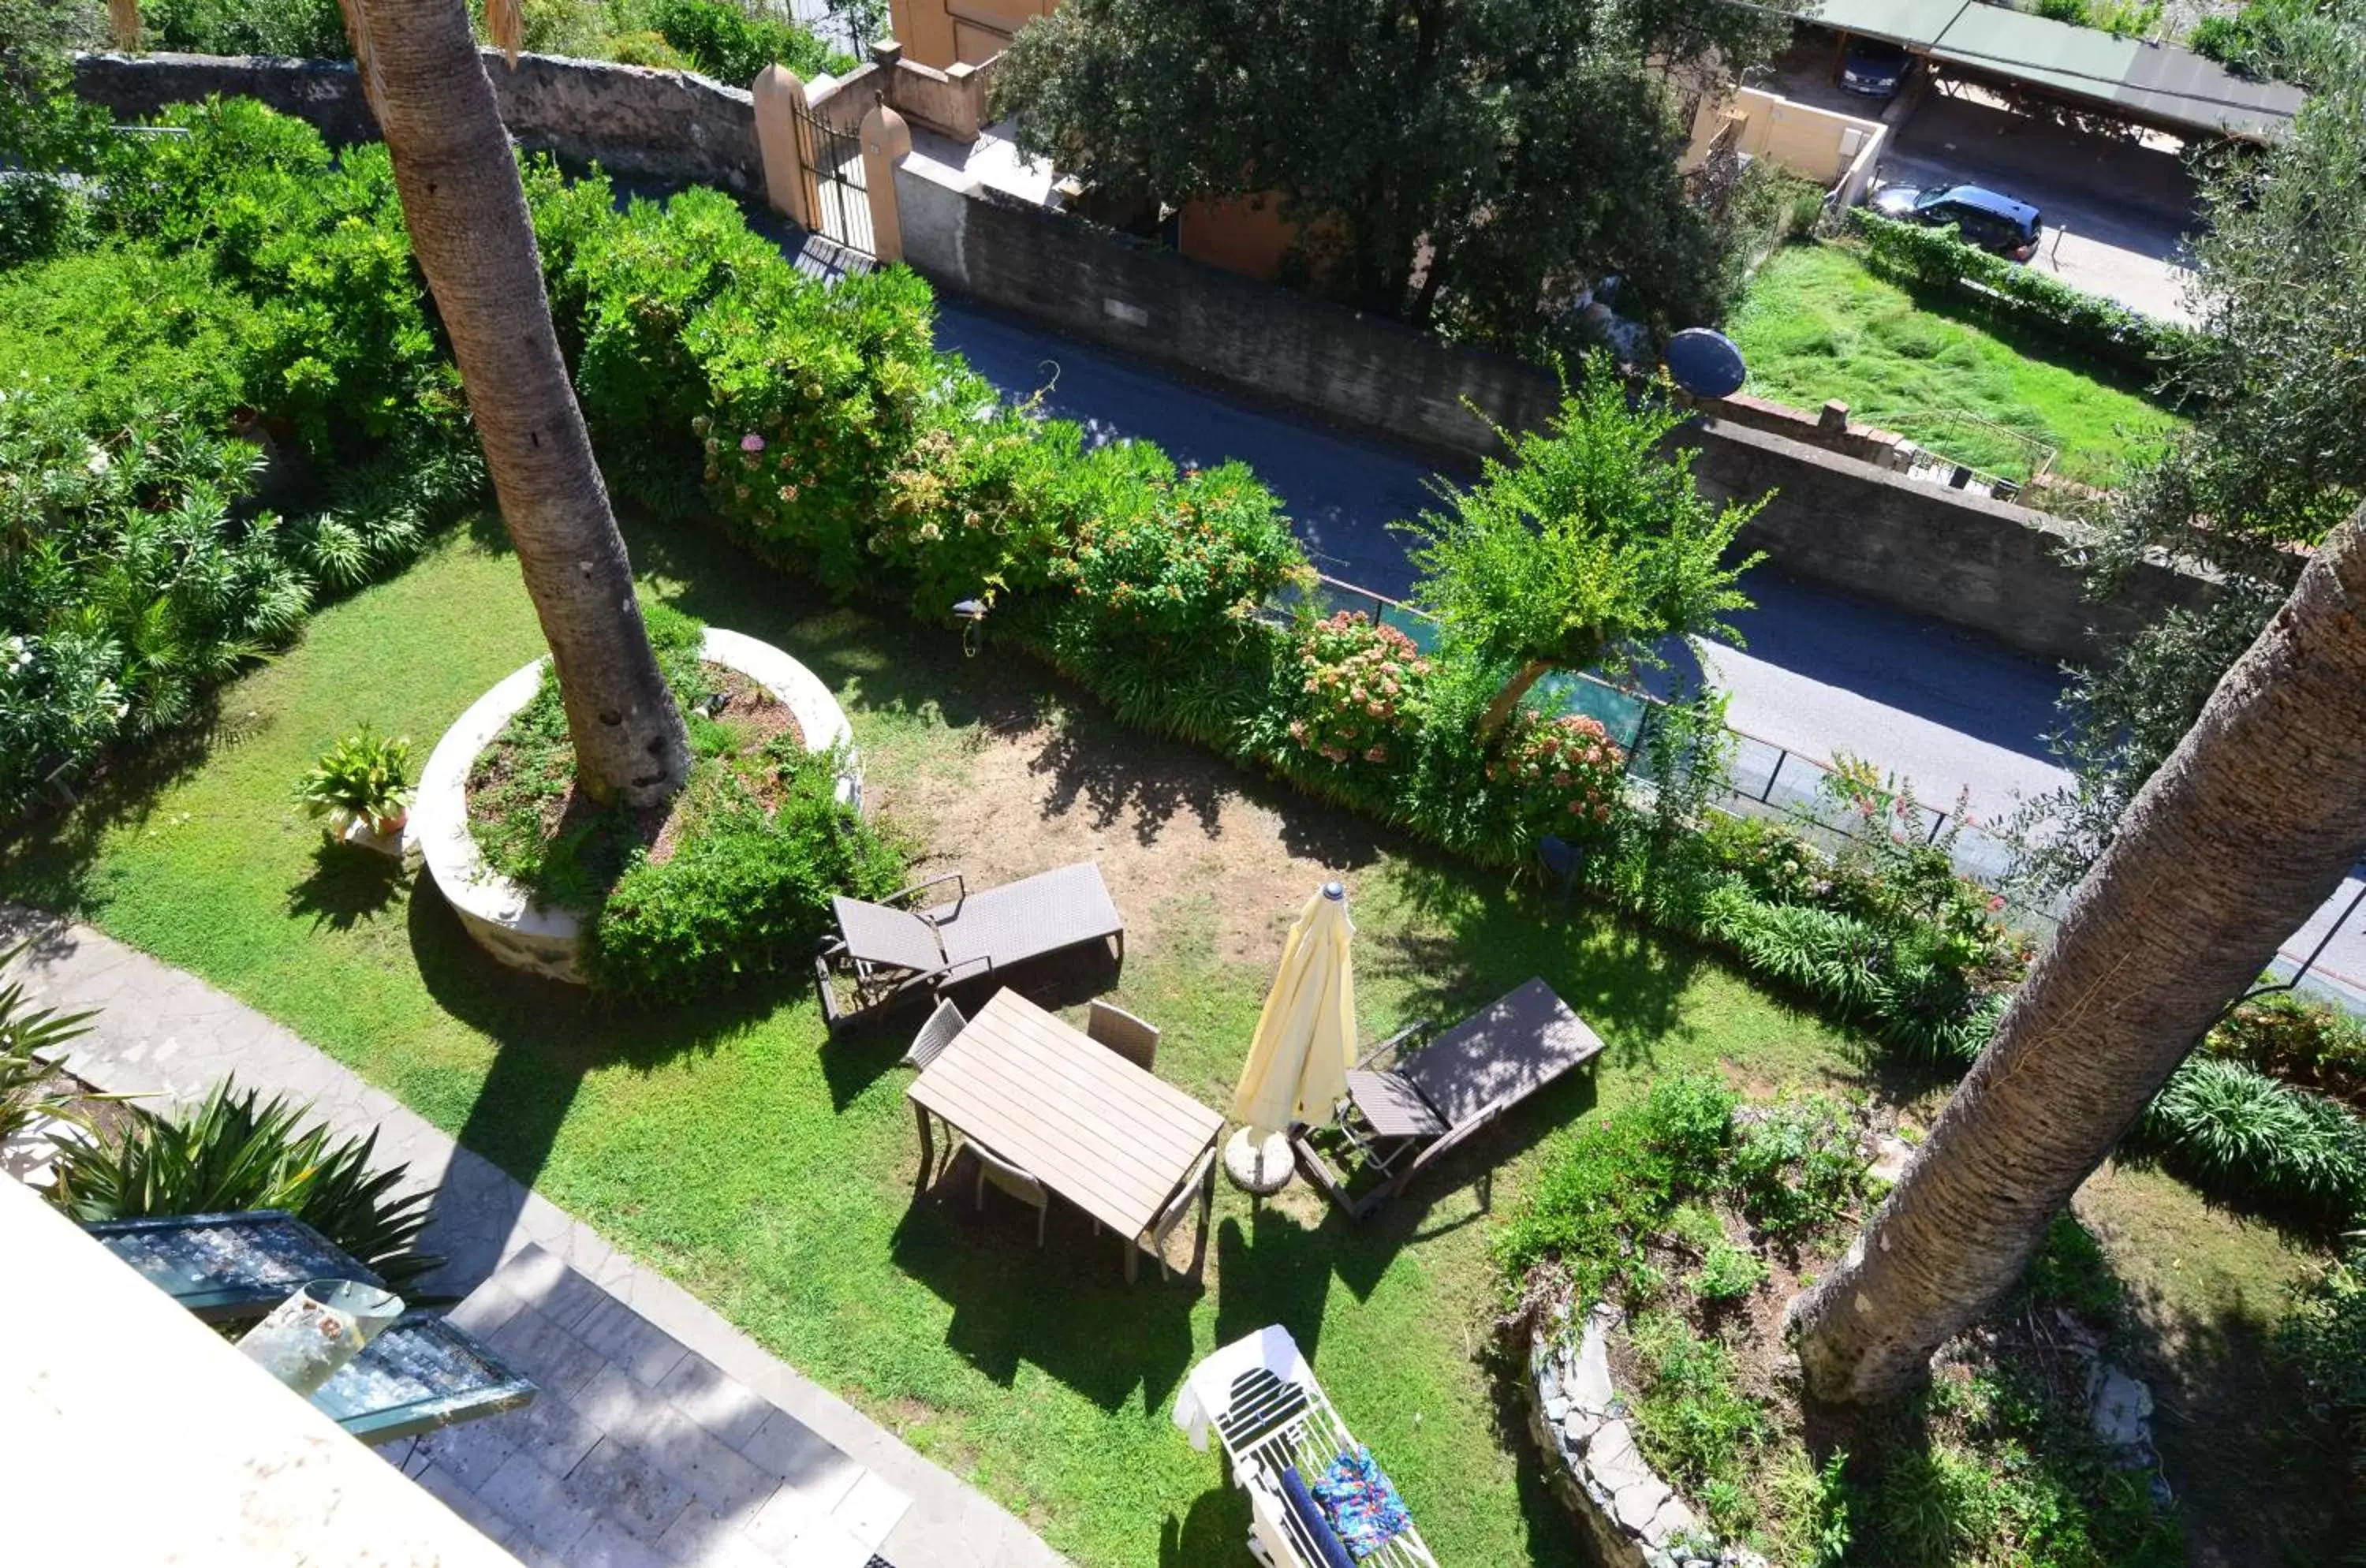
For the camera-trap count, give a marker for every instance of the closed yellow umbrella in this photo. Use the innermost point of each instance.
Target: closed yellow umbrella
(1305, 1038)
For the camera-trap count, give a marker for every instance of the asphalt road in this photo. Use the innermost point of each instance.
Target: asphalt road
(1819, 670)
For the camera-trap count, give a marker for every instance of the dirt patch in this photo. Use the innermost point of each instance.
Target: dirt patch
(1180, 842)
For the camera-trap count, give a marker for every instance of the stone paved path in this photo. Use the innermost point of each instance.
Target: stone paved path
(166, 1032)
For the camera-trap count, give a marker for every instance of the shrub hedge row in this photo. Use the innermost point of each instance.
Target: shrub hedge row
(1937, 260)
(824, 430)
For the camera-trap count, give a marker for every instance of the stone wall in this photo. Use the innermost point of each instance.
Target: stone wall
(1630, 1518)
(665, 125)
(1955, 557)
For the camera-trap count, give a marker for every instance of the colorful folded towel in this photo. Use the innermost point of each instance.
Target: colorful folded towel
(1362, 1503)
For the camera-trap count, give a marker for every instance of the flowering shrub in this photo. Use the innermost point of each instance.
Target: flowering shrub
(1366, 690)
(1566, 770)
(1178, 556)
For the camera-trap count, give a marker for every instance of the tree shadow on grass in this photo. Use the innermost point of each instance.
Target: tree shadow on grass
(1086, 764)
(47, 857)
(548, 1037)
(346, 886)
(1477, 941)
(1064, 1308)
(2259, 1476)
(1213, 1532)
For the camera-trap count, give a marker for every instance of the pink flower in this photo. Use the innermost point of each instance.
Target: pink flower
(1377, 754)
(1372, 709)
(751, 442)
(1602, 814)
(1560, 780)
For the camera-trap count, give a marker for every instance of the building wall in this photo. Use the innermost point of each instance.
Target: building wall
(944, 33)
(1817, 144)
(1246, 234)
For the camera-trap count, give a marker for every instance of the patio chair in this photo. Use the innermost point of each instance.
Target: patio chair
(1020, 1184)
(1426, 1105)
(935, 1035)
(884, 952)
(1122, 1033)
(1277, 1426)
(1153, 1240)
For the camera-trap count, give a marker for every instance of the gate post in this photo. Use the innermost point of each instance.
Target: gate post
(887, 142)
(781, 110)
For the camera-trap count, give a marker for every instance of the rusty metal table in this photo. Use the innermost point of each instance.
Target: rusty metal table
(1115, 1141)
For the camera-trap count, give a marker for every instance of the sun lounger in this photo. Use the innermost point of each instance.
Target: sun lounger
(1260, 1398)
(885, 953)
(1407, 1113)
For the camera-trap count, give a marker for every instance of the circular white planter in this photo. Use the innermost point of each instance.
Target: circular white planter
(502, 917)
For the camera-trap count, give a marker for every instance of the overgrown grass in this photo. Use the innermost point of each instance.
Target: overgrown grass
(1817, 325)
(770, 1171)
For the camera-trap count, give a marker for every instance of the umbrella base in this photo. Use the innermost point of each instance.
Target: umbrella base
(1259, 1165)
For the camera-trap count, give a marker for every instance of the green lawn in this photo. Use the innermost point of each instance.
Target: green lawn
(1817, 325)
(772, 1173)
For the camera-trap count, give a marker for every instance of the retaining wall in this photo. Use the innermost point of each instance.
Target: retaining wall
(666, 125)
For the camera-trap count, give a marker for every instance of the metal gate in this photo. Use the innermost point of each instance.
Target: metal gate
(836, 184)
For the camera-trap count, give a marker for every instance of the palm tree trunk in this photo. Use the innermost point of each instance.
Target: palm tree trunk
(1499, 712)
(2241, 835)
(467, 214)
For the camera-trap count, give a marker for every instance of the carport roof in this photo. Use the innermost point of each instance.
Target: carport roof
(2164, 84)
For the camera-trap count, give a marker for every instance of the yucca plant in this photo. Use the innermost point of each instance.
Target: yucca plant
(362, 778)
(30, 1090)
(236, 1151)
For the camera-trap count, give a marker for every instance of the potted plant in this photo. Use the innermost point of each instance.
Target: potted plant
(363, 779)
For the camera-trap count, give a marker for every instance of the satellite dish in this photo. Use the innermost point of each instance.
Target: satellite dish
(1705, 363)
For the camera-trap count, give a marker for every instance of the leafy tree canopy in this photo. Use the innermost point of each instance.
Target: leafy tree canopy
(2275, 459)
(1590, 548)
(1466, 163)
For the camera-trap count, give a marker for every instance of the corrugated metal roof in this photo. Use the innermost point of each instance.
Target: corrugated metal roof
(1915, 23)
(2086, 61)
(2163, 83)
(2166, 82)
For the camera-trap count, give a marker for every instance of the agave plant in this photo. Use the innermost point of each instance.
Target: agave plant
(30, 1090)
(236, 1151)
(362, 778)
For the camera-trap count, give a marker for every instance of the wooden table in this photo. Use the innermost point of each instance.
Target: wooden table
(1115, 1141)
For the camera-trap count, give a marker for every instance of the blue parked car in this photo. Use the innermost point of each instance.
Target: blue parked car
(1874, 68)
(1993, 222)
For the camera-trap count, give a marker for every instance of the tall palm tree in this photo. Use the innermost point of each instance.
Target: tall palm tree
(2241, 835)
(467, 214)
